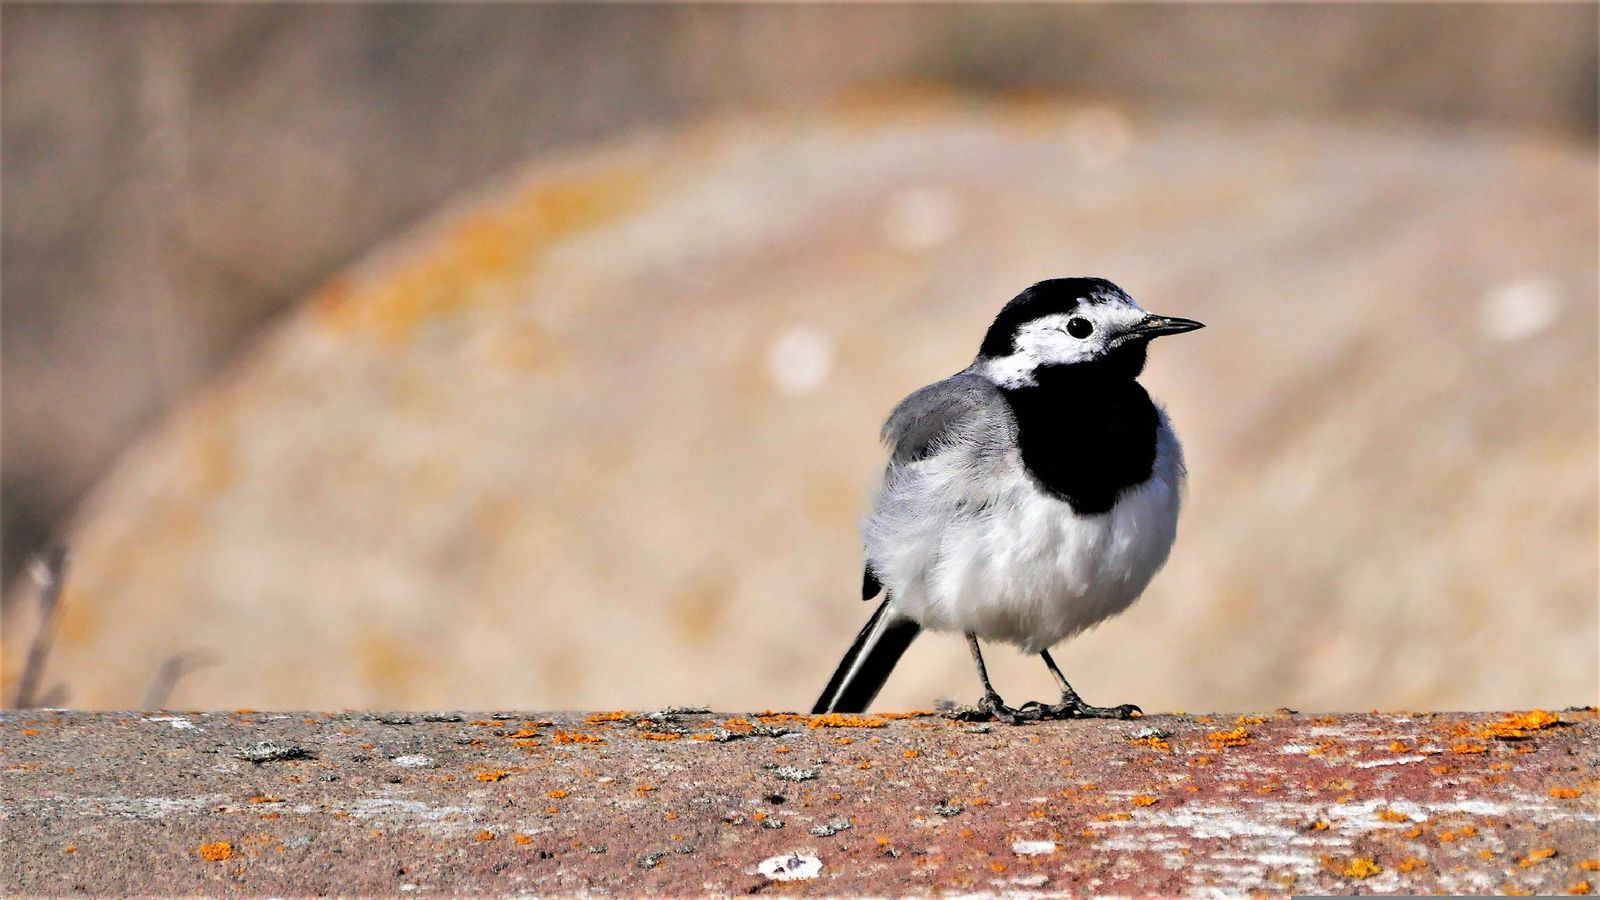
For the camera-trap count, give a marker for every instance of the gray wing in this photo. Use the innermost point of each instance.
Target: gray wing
(943, 412)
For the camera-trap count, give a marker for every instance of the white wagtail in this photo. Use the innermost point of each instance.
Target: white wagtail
(1028, 497)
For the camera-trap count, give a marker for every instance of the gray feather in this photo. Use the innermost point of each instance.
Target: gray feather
(942, 413)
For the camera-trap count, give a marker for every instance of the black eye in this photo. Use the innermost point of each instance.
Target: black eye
(1079, 328)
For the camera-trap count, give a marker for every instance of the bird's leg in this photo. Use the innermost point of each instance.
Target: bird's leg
(991, 704)
(1071, 705)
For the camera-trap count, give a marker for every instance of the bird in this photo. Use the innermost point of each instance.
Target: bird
(1028, 497)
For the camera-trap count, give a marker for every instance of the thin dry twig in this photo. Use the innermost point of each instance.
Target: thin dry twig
(49, 572)
(172, 670)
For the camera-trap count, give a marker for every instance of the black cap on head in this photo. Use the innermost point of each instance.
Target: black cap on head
(1055, 295)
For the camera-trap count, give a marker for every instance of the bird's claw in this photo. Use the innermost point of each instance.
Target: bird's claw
(1075, 708)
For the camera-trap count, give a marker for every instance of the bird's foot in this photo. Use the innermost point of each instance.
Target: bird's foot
(992, 707)
(1075, 708)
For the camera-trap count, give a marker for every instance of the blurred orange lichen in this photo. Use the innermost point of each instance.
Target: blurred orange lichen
(845, 720)
(216, 851)
(484, 835)
(1537, 856)
(1579, 887)
(1589, 865)
(1465, 747)
(567, 737)
(1410, 864)
(1154, 741)
(659, 735)
(1389, 815)
(556, 794)
(492, 774)
(1145, 800)
(521, 838)
(1237, 737)
(911, 754)
(1361, 867)
(1566, 793)
(615, 716)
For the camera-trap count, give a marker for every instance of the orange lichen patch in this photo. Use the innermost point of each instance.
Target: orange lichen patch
(1589, 865)
(911, 754)
(1511, 890)
(738, 724)
(216, 851)
(1442, 769)
(997, 866)
(1412, 834)
(770, 717)
(1236, 737)
(1535, 857)
(1154, 742)
(1518, 725)
(1486, 854)
(568, 737)
(613, 716)
(556, 794)
(670, 815)
(552, 810)
(845, 720)
(521, 838)
(1389, 815)
(1579, 887)
(445, 275)
(1398, 747)
(486, 723)
(526, 743)
(644, 788)
(1249, 720)
(844, 740)
(782, 748)
(524, 733)
(70, 848)
(1566, 793)
(29, 732)
(484, 835)
(492, 774)
(1320, 825)
(1464, 831)
(910, 714)
(1468, 747)
(1361, 867)
(1410, 864)
(1146, 800)
(265, 798)
(658, 735)
(1113, 817)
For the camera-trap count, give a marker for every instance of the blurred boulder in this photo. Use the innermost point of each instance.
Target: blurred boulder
(600, 435)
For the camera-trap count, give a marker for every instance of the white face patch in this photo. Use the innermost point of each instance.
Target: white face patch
(1047, 340)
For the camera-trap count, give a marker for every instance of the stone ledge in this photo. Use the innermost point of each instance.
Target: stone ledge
(693, 802)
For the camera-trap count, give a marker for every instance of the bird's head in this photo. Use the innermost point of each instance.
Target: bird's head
(1071, 322)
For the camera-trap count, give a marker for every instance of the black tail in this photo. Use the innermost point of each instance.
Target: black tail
(867, 664)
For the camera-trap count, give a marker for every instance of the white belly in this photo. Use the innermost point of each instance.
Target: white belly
(1025, 569)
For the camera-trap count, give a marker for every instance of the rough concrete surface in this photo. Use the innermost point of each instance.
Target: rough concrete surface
(684, 802)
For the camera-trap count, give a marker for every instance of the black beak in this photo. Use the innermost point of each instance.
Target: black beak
(1156, 326)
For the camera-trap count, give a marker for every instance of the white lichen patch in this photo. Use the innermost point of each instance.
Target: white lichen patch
(1033, 848)
(794, 866)
(178, 722)
(413, 761)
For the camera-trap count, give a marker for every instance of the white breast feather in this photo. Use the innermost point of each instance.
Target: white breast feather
(965, 540)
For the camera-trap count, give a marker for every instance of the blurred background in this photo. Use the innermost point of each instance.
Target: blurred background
(533, 356)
